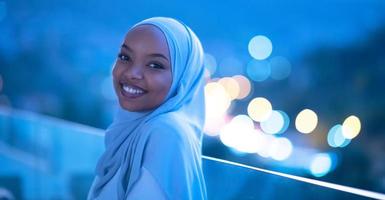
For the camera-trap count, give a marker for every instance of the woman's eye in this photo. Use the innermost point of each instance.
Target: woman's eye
(123, 57)
(156, 66)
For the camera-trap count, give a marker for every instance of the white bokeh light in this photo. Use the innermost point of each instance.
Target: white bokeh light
(240, 134)
(259, 109)
(265, 142)
(351, 127)
(260, 47)
(217, 102)
(280, 149)
(274, 124)
(306, 121)
(231, 86)
(321, 164)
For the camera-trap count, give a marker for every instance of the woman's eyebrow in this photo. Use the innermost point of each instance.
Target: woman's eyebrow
(158, 55)
(124, 46)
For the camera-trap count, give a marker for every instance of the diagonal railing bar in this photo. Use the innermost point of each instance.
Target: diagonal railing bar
(351, 190)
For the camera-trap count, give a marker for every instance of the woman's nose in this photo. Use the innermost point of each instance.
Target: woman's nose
(134, 72)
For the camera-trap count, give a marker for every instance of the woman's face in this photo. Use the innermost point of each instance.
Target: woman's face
(142, 72)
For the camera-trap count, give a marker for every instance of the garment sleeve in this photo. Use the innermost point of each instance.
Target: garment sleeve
(146, 188)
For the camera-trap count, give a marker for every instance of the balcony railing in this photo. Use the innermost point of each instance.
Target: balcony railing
(47, 158)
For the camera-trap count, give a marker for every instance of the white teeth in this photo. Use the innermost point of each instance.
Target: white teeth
(132, 90)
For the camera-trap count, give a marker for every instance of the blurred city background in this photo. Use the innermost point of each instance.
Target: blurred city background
(293, 86)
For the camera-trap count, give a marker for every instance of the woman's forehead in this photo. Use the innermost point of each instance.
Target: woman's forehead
(146, 30)
(147, 36)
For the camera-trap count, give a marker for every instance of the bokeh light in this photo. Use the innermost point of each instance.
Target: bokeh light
(228, 135)
(351, 127)
(321, 164)
(275, 123)
(259, 109)
(244, 86)
(306, 121)
(217, 103)
(258, 70)
(243, 121)
(260, 47)
(213, 125)
(217, 99)
(280, 68)
(280, 149)
(231, 86)
(286, 120)
(210, 63)
(335, 137)
(265, 142)
(240, 134)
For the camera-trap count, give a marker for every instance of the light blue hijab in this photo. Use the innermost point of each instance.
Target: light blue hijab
(175, 127)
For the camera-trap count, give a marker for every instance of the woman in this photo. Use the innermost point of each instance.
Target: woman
(153, 146)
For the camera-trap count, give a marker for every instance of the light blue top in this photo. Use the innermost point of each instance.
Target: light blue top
(159, 151)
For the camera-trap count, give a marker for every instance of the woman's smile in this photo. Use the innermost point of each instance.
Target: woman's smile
(131, 91)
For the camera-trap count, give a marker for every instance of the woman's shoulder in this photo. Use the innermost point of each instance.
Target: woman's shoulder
(165, 137)
(169, 124)
(168, 118)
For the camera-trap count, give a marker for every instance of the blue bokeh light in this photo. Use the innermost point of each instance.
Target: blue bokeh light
(258, 70)
(280, 68)
(335, 137)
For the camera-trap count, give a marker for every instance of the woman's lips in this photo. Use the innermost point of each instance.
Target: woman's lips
(131, 91)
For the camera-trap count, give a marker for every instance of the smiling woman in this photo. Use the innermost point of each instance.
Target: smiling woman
(142, 73)
(153, 146)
